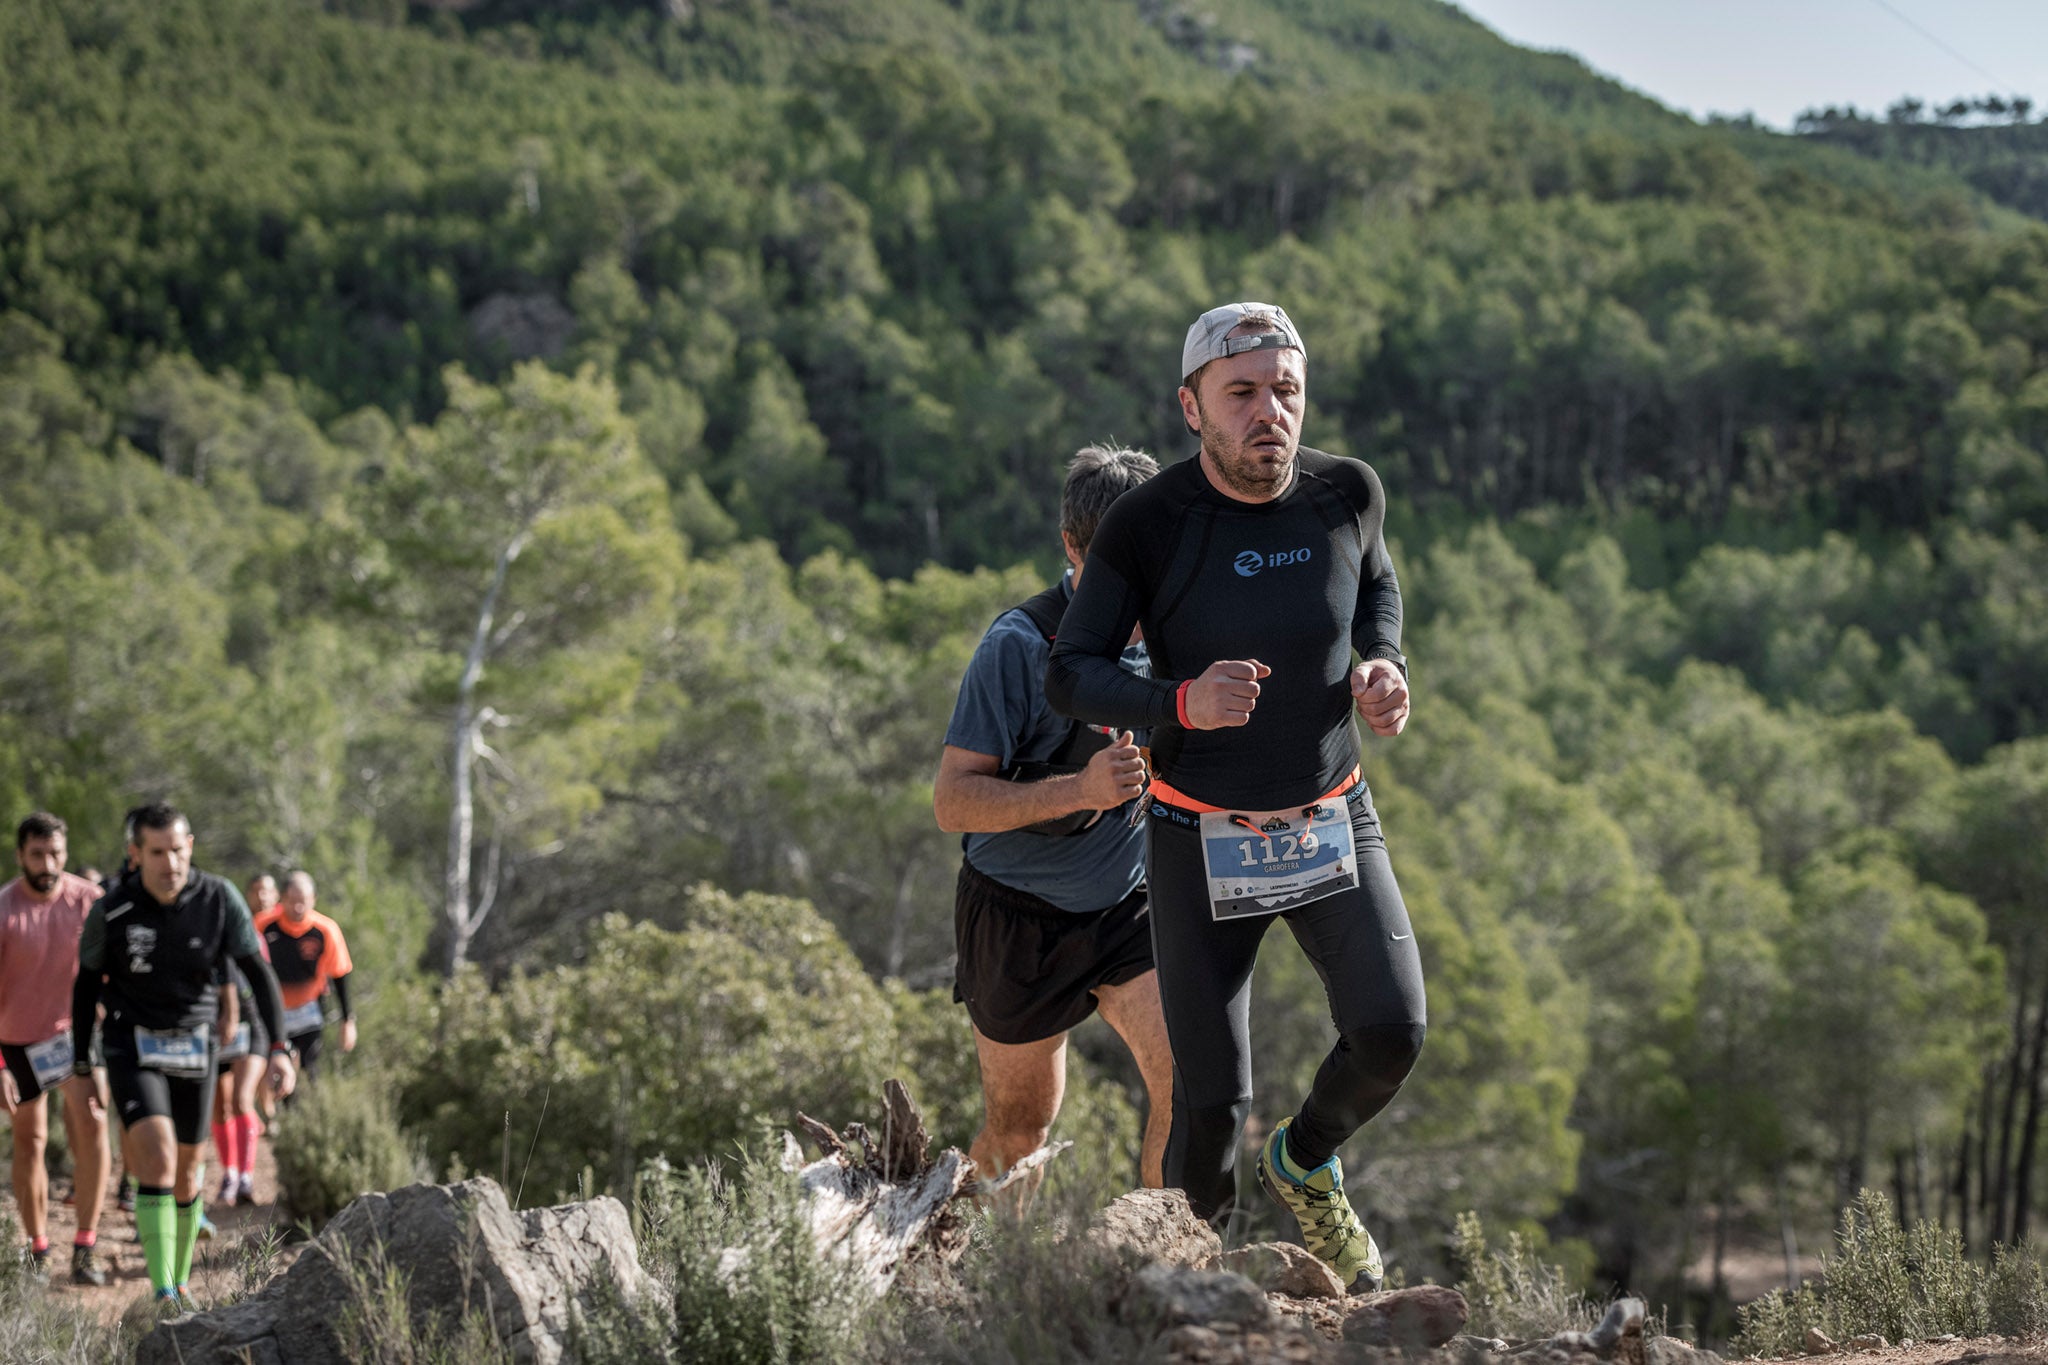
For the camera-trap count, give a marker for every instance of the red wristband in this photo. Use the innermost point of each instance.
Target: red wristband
(1180, 704)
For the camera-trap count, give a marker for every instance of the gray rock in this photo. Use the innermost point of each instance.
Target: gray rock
(460, 1249)
(1818, 1343)
(1422, 1318)
(1176, 1296)
(1156, 1226)
(1672, 1351)
(1283, 1268)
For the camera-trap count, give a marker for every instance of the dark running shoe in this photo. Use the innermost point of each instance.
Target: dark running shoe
(85, 1268)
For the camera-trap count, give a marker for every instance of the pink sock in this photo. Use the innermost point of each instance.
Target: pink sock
(39, 1244)
(86, 1237)
(224, 1144)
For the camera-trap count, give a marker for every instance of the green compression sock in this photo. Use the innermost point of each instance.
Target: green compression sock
(188, 1237)
(156, 1228)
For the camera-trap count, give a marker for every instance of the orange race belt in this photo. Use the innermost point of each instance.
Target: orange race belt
(1170, 803)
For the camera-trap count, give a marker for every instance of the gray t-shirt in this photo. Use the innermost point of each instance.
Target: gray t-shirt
(1002, 712)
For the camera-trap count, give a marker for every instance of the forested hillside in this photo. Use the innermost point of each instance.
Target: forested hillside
(631, 415)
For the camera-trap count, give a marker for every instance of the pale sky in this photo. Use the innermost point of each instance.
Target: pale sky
(1777, 58)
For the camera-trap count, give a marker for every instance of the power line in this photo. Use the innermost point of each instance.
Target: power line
(1915, 25)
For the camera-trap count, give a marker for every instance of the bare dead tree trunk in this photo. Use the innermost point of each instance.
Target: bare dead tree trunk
(2023, 1178)
(1986, 1105)
(900, 917)
(1998, 1224)
(1944, 1195)
(1920, 1209)
(1962, 1187)
(1788, 1237)
(1283, 202)
(462, 915)
(1688, 1216)
(1719, 1286)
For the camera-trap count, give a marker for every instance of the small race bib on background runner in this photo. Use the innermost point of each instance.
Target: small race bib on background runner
(237, 1044)
(307, 1018)
(172, 1051)
(51, 1060)
(1263, 862)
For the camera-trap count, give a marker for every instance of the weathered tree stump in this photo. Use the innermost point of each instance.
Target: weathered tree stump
(881, 1202)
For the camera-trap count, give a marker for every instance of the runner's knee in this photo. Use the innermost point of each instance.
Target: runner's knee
(1385, 1053)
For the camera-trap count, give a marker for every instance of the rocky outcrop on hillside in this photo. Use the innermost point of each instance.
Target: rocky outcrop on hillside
(459, 1250)
(426, 1258)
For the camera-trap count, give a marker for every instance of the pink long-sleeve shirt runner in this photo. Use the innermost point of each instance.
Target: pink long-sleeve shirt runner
(39, 957)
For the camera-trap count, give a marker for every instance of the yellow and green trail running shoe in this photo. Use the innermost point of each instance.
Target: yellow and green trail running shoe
(1329, 1227)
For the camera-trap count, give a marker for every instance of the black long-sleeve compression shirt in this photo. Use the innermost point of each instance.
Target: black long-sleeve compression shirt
(1297, 584)
(154, 963)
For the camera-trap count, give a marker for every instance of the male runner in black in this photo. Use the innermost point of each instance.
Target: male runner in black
(1256, 570)
(149, 952)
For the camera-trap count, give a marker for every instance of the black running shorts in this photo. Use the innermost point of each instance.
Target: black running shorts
(140, 1093)
(25, 1083)
(307, 1045)
(16, 1060)
(1027, 970)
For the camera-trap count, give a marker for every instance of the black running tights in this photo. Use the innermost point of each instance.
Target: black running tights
(1363, 948)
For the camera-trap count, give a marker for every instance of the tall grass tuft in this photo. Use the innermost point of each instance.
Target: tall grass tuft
(376, 1326)
(37, 1325)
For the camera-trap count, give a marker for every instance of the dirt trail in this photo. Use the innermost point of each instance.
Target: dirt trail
(1969, 1351)
(217, 1266)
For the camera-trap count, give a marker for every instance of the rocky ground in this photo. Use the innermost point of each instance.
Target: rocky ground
(1955, 1351)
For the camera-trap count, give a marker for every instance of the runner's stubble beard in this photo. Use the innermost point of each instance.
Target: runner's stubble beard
(1256, 473)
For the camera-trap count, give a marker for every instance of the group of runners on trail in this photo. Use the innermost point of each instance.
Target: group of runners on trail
(1151, 761)
(1156, 758)
(162, 992)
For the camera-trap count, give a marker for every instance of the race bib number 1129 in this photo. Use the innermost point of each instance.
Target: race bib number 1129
(1263, 862)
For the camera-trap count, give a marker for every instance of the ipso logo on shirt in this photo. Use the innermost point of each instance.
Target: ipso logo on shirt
(1250, 562)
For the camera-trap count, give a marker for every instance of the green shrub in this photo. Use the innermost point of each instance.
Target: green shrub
(1514, 1293)
(1899, 1282)
(1868, 1286)
(340, 1140)
(660, 1043)
(683, 1044)
(750, 1287)
(2016, 1292)
(617, 1331)
(1776, 1324)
